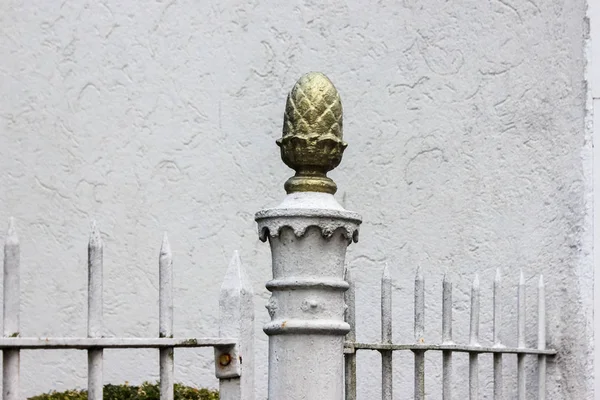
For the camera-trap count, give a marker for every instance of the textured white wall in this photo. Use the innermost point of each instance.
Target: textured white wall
(468, 151)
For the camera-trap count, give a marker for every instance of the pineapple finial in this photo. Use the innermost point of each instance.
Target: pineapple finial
(312, 143)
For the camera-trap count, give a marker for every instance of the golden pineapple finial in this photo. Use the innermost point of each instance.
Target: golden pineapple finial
(312, 143)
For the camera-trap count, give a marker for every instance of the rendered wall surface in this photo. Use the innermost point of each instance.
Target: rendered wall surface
(468, 151)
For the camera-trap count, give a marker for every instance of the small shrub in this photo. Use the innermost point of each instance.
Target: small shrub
(146, 391)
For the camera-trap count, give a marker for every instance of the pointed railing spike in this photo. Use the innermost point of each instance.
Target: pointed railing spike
(541, 338)
(12, 261)
(447, 309)
(521, 311)
(165, 318)
(541, 314)
(521, 385)
(236, 319)
(419, 306)
(498, 386)
(95, 356)
(386, 334)
(419, 334)
(474, 341)
(497, 305)
(474, 325)
(11, 306)
(165, 247)
(11, 234)
(386, 305)
(350, 358)
(95, 237)
(447, 337)
(235, 277)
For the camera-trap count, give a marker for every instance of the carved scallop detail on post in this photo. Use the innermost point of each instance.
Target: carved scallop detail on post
(270, 222)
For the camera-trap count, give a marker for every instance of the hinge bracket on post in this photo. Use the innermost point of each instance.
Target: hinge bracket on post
(227, 362)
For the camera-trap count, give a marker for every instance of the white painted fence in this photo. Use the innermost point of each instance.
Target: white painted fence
(235, 341)
(474, 347)
(236, 332)
(312, 327)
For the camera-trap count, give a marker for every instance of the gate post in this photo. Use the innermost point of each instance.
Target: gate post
(308, 234)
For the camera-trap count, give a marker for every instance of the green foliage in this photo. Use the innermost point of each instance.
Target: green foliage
(147, 391)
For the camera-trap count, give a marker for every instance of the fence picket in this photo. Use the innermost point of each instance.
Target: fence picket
(236, 329)
(165, 318)
(419, 334)
(521, 387)
(386, 334)
(541, 339)
(447, 337)
(236, 379)
(95, 248)
(350, 358)
(236, 326)
(497, 340)
(474, 341)
(11, 358)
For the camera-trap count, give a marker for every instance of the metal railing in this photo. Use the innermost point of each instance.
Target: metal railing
(235, 329)
(474, 347)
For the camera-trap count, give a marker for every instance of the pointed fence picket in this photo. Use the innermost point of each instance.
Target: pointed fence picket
(447, 338)
(165, 319)
(386, 334)
(94, 320)
(447, 346)
(10, 357)
(236, 333)
(497, 342)
(474, 341)
(237, 320)
(419, 334)
(236, 327)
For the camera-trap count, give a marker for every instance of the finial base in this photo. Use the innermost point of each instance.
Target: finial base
(310, 183)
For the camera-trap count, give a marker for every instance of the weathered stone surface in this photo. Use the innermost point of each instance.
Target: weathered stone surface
(467, 151)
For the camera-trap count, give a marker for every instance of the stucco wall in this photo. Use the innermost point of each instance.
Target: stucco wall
(468, 151)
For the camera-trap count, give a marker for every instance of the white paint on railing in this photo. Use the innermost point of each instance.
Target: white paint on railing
(94, 323)
(474, 341)
(419, 334)
(447, 337)
(386, 334)
(33, 343)
(419, 306)
(497, 339)
(165, 319)
(11, 358)
(456, 348)
(236, 326)
(350, 317)
(521, 387)
(474, 347)
(235, 364)
(541, 339)
(233, 349)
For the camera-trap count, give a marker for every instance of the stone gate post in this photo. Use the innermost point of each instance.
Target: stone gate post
(308, 234)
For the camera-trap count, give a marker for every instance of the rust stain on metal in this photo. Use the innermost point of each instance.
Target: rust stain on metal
(224, 359)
